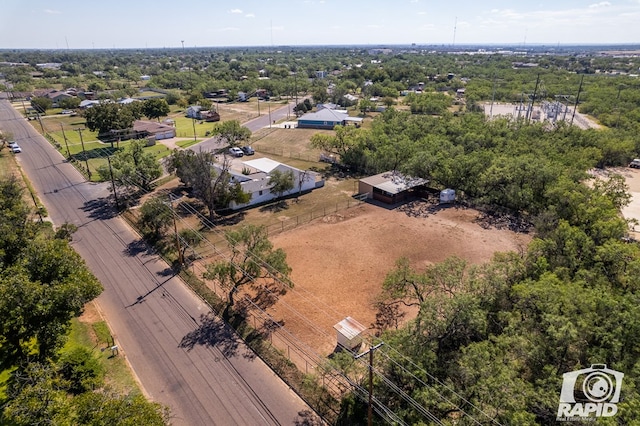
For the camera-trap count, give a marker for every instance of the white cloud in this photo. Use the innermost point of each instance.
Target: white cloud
(227, 29)
(52, 12)
(249, 15)
(599, 5)
(422, 13)
(237, 11)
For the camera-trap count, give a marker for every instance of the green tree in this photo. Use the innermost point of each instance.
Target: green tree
(253, 262)
(344, 139)
(189, 239)
(81, 370)
(16, 225)
(39, 296)
(213, 186)
(365, 105)
(231, 133)
(155, 217)
(132, 167)
(41, 104)
(109, 116)
(281, 182)
(155, 108)
(69, 103)
(107, 408)
(36, 396)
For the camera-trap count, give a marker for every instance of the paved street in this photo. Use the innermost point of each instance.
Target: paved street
(255, 124)
(184, 356)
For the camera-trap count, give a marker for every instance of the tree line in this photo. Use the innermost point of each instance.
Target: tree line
(44, 283)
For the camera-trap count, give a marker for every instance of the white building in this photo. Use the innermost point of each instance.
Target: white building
(254, 176)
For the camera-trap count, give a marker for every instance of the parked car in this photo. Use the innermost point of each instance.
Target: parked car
(12, 144)
(635, 164)
(15, 148)
(236, 152)
(247, 150)
(67, 111)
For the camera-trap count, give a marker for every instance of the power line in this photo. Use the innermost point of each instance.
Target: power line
(383, 412)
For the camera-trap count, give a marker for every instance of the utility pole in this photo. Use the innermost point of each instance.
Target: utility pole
(533, 98)
(65, 141)
(295, 87)
(113, 184)
(269, 106)
(575, 107)
(193, 120)
(175, 229)
(84, 153)
(40, 121)
(370, 405)
(258, 99)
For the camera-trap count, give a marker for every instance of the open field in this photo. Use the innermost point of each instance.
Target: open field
(339, 262)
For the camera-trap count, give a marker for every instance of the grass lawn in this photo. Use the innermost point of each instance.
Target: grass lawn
(91, 332)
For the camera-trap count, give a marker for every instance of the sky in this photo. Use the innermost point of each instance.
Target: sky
(107, 24)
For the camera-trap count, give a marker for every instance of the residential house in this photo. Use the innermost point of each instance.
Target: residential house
(256, 181)
(88, 103)
(57, 95)
(327, 106)
(193, 111)
(209, 116)
(197, 112)
(126, 101)
(153, 129)
(351, 98)
(326, 119)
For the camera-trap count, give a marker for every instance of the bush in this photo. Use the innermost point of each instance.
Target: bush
(81, 370)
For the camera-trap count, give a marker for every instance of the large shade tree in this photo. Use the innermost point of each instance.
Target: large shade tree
(132, 167)
(253, 262)
(213, 186)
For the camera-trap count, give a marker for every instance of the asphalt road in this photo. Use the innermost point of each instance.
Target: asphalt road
(255, 124)
(184, 357)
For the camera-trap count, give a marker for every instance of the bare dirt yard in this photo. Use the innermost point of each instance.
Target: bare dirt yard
(632, 211)
(339, 262)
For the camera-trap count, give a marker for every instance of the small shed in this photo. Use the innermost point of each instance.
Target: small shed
(349, 333)
(390, 187)
(447, 195)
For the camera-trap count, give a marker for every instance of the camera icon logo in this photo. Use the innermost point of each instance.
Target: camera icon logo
(590, 392)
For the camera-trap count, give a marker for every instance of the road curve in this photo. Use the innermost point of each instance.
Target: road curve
(183, 355)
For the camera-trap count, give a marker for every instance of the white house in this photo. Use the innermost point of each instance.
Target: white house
(256, 181)
(193, 111)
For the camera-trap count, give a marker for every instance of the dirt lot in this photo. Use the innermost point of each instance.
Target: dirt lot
(632, 211)
(339, 262)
